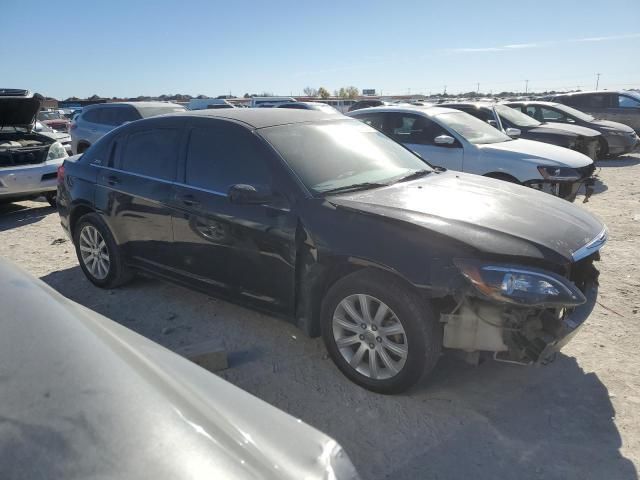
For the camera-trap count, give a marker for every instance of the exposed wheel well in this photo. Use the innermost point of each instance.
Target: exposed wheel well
(502, 176)
(82, 146)
(76, 213)
(312, 294)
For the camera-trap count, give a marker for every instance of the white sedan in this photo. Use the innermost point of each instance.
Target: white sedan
(458, 141)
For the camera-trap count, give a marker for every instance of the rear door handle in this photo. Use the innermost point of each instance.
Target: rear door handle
(113, 180)
(190, 200)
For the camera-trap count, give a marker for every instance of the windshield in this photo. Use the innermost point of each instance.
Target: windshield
(573, 112)
(472, 129)
(49, 116)
(515, 117)
(331, 155)
(325, 108)
(146, 112)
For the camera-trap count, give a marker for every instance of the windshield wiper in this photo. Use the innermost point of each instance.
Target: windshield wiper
(413, 175)
(355, 186)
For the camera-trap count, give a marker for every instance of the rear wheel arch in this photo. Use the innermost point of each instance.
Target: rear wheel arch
(82, 146)
(77, 213)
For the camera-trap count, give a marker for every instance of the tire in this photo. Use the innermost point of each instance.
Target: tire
(116, 273)
(51, 198)
(604, 149)
(421, 340)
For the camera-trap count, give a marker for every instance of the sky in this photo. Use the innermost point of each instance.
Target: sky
(126, 48)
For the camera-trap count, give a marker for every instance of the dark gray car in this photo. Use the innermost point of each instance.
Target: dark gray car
(97, 120)
(616, 105)
(617, 138)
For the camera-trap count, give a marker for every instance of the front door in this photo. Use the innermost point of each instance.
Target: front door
(418, 133)
(246, 250)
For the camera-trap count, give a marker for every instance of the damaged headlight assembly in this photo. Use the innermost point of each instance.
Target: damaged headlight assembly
(56, 150)
(559, 174)
(519, 285)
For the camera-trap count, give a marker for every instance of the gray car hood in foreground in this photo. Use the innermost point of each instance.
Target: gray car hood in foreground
(493, 216)
(82, 397)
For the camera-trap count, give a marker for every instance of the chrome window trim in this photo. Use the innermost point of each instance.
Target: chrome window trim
(591, 247)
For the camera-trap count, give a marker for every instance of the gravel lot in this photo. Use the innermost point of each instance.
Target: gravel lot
(578, 418)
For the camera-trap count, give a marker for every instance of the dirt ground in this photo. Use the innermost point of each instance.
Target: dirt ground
(578, 418)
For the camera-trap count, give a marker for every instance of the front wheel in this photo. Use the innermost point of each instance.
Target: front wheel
(98, 254)
(379, 333)
(51, 198)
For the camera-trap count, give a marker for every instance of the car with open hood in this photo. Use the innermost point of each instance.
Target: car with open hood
(518, 125)
(28, 160)
(54, 119)
(326, 221)
(458, 141)
(617, 138)
(84, 397)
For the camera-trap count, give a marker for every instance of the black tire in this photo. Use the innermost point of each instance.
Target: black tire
(118, 274)
(604, 149)
(51, 198)
(423, 331)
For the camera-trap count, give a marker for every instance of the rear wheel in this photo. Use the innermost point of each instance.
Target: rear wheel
(379, 333)
(604, 149)
(98, 254)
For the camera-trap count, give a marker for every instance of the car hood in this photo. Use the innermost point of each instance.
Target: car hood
(563, 127)
(19, 112)
(86, 398)
(616, 125)
(538, 152)
(493, 216)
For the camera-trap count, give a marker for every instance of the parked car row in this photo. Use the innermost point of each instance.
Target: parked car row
(328, 222)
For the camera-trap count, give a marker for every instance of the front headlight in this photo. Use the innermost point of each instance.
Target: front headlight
(56, 150)
(559, 173)
(520, 285)
(615, 131)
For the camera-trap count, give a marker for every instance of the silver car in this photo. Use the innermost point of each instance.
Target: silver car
(85, 398)
(29, 160)
(99, 119)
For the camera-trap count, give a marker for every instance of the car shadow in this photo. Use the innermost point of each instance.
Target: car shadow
(14, 215)
(617, 162)
(491, 421)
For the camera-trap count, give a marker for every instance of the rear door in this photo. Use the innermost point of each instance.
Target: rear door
(418, 133)
(245, 250)
(136, 187)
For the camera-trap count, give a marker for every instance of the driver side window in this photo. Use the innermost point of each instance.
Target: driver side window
(627, 102)
(413, 129)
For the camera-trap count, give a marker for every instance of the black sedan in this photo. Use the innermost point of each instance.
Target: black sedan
(516, 124)
(331, 224)
(617, 138)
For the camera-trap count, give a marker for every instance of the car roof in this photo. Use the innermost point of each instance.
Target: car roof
(134, 104)
(425, 110)
(534, 102)
(262, 117)
(590, 92)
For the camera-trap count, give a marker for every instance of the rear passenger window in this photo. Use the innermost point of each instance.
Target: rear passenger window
(153, 153)
(91, 115)
(225, 155)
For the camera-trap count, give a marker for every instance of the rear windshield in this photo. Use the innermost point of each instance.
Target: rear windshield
(146, 112)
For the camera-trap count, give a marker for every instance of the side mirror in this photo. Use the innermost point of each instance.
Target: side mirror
(493, 123)
(444, 140)
(513, 132)
(247, 195)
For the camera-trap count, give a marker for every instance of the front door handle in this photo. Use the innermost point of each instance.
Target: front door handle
(113, 180)
(190, 200)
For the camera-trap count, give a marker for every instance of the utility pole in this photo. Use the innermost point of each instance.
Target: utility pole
(526, 87)
(478, 87)
(597, 80)
(445, 90)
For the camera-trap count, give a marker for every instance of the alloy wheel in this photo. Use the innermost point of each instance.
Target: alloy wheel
(370, 337)
(94, 252)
